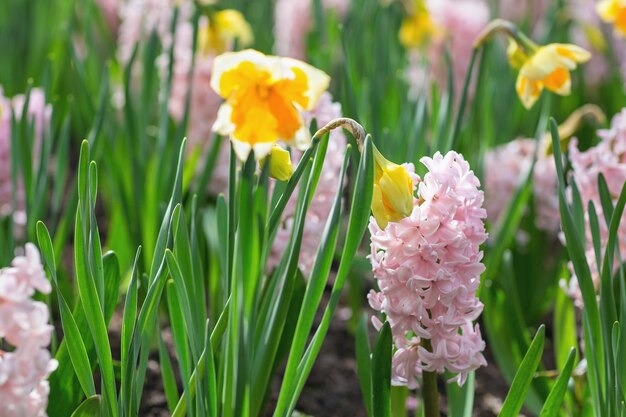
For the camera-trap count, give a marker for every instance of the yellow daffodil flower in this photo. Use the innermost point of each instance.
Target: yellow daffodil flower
(393, 191)
(418, 28)
(265, 96)
(218, 32)
(548, 67)
(280, 164)
(613, 12)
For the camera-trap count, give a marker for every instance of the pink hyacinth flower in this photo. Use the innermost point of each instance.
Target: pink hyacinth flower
(428, 268)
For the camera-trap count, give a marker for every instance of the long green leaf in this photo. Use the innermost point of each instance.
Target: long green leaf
(381, 373)
(553, 404)
(524, 376)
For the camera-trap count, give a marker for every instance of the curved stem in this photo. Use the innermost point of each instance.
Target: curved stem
(350, 125)
(509, 29)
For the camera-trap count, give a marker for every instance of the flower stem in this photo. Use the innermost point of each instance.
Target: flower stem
(508, 28)
(350, 125)
(430, 392)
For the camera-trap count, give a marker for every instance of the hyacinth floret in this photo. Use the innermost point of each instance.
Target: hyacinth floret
(428, 268)
(24, 325)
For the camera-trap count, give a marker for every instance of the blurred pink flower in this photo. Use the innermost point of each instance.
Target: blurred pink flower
(139, 18)
(204, 102)
(24, 324)
(428, 268)
(109, 9)
(322, 200)
(608, 157)
(460, 22)
(293, 20)
(524, 11)
(39, 114)
(504, 170)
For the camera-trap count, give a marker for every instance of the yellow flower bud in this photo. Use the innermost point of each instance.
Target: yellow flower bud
(393, 191)
(280, 164)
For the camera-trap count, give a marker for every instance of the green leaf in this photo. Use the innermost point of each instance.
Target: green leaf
(167, 374)
(460, 399)
(87, 288)
(381, 373)
(553, 404)
(317, 282)
(88, 408)
(357, 223)
(524, 376)
(363, 362)
(128, 327)
(564, 327)
(72, 335)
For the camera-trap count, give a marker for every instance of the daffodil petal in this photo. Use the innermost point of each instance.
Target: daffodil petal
(378, 208)
(606, 9)
(261, 149)
(528, 90)
(231, 60)
(302, 139)
(318, 81)
(223, 124)
(572, 52)
(242, 149)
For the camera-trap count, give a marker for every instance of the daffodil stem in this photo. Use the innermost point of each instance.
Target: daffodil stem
(461, 110)
(509, 29)
(350, 125)
(430, 392)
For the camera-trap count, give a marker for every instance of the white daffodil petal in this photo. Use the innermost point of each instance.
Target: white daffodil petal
(261, 149)
(223, 124)
(242, 149)
(318, 81)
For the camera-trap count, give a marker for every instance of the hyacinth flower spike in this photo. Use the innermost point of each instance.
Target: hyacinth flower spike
(539, 66)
